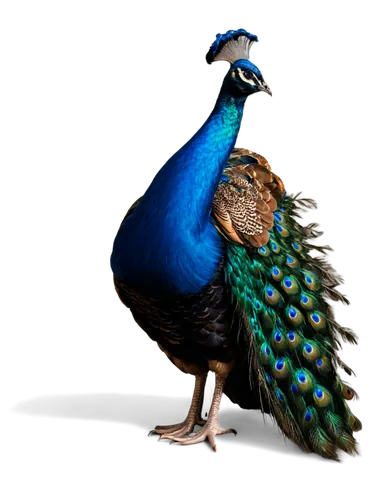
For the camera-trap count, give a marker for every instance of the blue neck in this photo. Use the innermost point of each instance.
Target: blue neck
(168, 243)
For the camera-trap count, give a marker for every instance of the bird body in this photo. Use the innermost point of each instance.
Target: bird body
(217, 270)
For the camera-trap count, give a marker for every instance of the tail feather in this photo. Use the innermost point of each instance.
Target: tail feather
(291, 333)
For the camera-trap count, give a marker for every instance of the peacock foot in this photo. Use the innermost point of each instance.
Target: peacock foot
(193, 417)
(179, 430)
(210, 428)
(208, 432)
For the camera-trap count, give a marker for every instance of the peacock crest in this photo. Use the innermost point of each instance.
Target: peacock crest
(231, 47)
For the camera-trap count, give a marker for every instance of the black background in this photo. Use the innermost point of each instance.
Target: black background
(143, 92)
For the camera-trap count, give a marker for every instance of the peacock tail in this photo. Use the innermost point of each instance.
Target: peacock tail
(281, 291)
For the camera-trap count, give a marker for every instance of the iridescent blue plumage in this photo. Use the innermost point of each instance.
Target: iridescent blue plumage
(168, 243)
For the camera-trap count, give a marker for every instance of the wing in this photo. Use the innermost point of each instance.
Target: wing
(281, 290)
(246, 199)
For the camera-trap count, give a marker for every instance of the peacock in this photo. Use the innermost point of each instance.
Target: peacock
(216, 268)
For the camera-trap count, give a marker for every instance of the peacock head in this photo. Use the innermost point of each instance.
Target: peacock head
(247, 77)
(243, 77)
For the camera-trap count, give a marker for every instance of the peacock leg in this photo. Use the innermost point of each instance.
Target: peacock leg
(210, 428)
(193, 417)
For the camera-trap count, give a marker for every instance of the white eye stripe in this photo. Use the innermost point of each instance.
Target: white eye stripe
(243, 78)
(257, 80)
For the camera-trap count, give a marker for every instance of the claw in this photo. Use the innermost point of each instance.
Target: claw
(179, 430)
(208, 432)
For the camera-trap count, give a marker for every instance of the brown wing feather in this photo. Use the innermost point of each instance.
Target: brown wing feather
(244, 204)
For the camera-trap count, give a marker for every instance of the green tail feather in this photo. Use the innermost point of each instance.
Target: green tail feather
(282, 291)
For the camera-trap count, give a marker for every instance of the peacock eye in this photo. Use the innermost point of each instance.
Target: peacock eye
(247, 74)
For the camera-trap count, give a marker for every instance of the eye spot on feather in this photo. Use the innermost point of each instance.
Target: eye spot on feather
(282, 230)
(294, 388)
(271, 295)
(275, 247)
(294, 340)
(323, 364)
(297, 247)
(347, 392)
(264, 251)
(316, 320)
(321, 397)
(280, 364)
(277, 273)
(294, 316)
(266, 349)
(311, 281)
(310, 352)
(279, 217)
(291, 262)
(304, 381)
(266, 354)
(308, 416)
(307, 302)
(279, 341)
(280, 369)
(290, 285)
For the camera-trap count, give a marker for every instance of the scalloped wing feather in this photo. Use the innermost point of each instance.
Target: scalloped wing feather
(246, 198)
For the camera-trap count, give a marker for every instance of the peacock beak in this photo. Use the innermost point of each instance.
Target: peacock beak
(265, 90)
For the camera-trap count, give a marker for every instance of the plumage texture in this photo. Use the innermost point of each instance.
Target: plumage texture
(216, 269)
(193, 327)
(281, 290)
(244, 202)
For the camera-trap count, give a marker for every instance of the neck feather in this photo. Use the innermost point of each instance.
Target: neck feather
(188, 181)
(167, 243)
